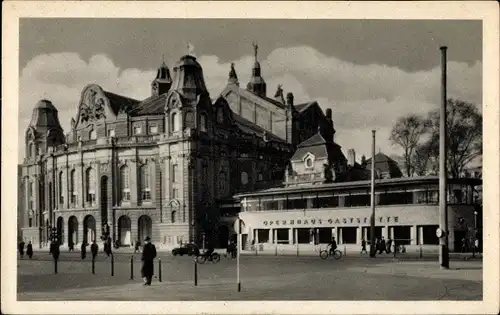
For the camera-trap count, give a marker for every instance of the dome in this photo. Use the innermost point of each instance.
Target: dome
(163, 72)
(188, 61)
(188, 78)
(45, 104)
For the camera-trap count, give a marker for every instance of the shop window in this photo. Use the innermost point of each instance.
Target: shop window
(429, 235)
(357, 200)
(396, 198)
(324, 235)
(402, 235)
(263, 235)
(348, 235)
(326, 202)
(282, 236)
(303, 236)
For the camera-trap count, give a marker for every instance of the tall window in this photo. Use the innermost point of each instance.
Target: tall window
(175, 175)
(61, 186)
(30, 150)
(93, 134)
(72, 191)
(172, 216)
(90, 185)
(244, 178)
(175, 122)
(125, 184)
(145, 186)
(203, 122)
(31, 188)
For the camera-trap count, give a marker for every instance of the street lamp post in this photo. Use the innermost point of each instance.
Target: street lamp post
(474, 236)
(373, 250)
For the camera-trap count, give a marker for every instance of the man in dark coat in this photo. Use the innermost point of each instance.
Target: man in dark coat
(21, 249)
(148, 255)
(389, 244)
(29, 250)
(83, 250)
(94, 248)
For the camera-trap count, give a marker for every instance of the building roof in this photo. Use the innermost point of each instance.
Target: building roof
(385, 164)
(303, 106)
(320, 148)
(153, 105)
(251, 96)
(120, 102)
(248, 127)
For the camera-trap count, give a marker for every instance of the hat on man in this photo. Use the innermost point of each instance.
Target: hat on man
(147, 239)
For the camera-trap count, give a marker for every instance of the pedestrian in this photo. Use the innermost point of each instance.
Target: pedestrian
(83, 250)
(136, 247)
(234, 250)
(464, 245)
(29, 250)
(71, 246)
(382, 247)
(363, 246)
(389, 244)
(21, 249)
(94, 248)
(107, 247)
(148, 255)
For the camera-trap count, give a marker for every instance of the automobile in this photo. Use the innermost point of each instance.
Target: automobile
(186, 249)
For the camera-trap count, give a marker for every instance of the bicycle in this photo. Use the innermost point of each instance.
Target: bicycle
(337, 254)
(202, 258)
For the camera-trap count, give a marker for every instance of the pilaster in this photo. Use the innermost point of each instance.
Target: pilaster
(413, 234)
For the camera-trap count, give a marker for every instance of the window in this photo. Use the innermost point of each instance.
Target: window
(357, 200)
(31, 188)
(72, 191)
(61, 187)
(172, 216)
(111, 133)
(175, 175)
(175, 193)
(30, 222)
(93, 134)
(137, 130)
(79, 138)
(90, 185)
(31, 152)
(153, 129)
(125, 185)
(203, 122)
(309, 162)
(175, 122)
(244, 178)
(260, 177)
(396, 198)
(145, 186)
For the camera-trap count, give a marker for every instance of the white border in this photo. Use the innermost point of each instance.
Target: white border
(487, 11)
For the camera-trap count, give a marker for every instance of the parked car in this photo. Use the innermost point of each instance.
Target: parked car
(186, 249)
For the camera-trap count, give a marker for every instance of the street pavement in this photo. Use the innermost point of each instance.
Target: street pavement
(262, 278)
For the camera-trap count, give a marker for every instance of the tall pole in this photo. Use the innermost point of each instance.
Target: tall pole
(239, 246)
(373, 250)
(444, 259)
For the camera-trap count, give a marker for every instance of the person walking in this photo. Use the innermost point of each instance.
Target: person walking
(389, 244)
(148, 255)
(363, 246)
(83, 250)
(29, 250)
(382, 247)
(21, 249)
(71, 246)
(94, 249)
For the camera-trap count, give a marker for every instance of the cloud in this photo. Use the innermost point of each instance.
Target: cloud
(362, 97)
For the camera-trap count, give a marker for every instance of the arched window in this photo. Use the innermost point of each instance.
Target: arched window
(189, 120)
(72, 191)
(93, 134)
(60, 185)
(175, 122)
(244, 178)
(30, 150)
(203, 122)
(173, 215)
(90, 185)
(125, 184)
(260, 177)
(222, 183)
(145, 184)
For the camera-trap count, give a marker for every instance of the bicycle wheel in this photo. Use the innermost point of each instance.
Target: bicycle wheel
(337, 254)
(215, 258)
(323, 254)
(200, 259)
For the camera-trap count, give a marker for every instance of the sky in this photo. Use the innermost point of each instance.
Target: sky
(369, 72)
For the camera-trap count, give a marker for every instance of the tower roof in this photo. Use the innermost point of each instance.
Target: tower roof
(188, 77)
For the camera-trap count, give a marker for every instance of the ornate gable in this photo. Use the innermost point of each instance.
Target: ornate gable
(94, 106)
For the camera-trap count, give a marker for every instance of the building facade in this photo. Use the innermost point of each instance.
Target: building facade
(165, 167)
(325, 195)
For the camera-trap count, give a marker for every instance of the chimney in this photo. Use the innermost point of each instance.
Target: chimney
(289, 99)
(351, 157)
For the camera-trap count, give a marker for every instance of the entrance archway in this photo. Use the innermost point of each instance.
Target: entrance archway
(124, 230)
(72, 230)
(223, 236)
(89, 229)
(60, 229)
(144, 227)
(104, 200)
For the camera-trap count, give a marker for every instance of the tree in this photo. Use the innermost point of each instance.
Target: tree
(407, 133)
(465, 135)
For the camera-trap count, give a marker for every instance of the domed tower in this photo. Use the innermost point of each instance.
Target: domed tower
(161, 84)
(188, 78)
(44, 129)
(257, 85)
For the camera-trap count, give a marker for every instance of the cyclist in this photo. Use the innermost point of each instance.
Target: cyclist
(333, 245)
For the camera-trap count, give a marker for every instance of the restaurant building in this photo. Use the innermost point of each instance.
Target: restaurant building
(325, 196)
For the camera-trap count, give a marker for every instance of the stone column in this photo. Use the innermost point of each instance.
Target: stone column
(97, 184)
(83, 184)
(420, 235)
(413, 234)
(296, 236)
(275, 236)
(358, 235)
(290, 236)
(385, 232)
(134, 185)
(340, 238)
(270, 239)
(391, 232)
